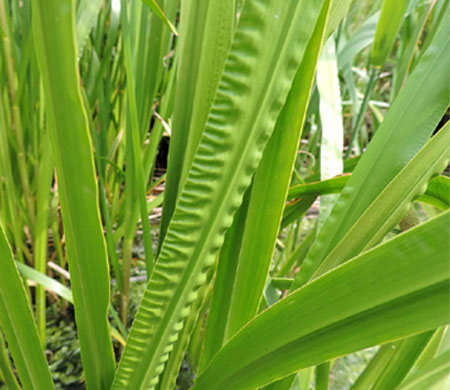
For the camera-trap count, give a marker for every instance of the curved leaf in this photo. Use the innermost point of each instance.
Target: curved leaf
(392, 204)
(438, 192)
(374, 298)
(259, 70)
(46, 282)
(360, 39)
(190, 54)
(329, 186)
(18, 325)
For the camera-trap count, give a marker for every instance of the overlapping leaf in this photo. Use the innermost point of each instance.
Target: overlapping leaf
(258, 73)
(18, 325)
(53, 28)
(374, 298)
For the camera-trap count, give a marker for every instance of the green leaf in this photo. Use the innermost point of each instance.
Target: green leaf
(323, 187)
(432, 376)
(392, 13)
(360, 39)
(271, 181)
(295, 210)
(135, 181)
(45, 281)
(18, 325)
(53, 28)
(323, 376)
(259, 71)
(298, 255)
(46, 168)
(349, 166)
(153, 5)
(402, 361)
(86, 17)
(330, 108)
(376, 366)
(152, 46)
(206, 31)
(171, 372)
(6, 371)
(338, 11)
(228, 263)
(392, 204)
(215, 44)
(437, 193)
(407, 126)
(370, 300)
(432, 349)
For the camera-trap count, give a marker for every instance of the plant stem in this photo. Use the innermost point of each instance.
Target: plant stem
(362, 110)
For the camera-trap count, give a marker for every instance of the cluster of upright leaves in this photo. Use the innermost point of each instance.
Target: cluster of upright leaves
(243, 88)
(162, 308)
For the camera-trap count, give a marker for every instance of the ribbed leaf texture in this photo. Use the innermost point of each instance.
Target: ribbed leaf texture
(258, 73)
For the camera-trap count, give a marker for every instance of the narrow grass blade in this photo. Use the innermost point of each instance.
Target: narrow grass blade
(323, 376)
(376, 366)
(323, 320)
(437, 193)
(323, 187)
(295, 210)
(7, 45)
(46, 168)
(46, 282)
(53, 27)
(361, 38)
(153, 5)
(433, 376)
(409, 49)
(298, 255)
(171, 372)
(332, 141)
(151, 63)
(392, 13)
(134, 156)
(6, 371)
(431, 350)
(18, 325)
(402, 361)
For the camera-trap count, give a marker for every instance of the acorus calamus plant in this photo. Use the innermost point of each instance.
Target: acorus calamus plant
(250, 93)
